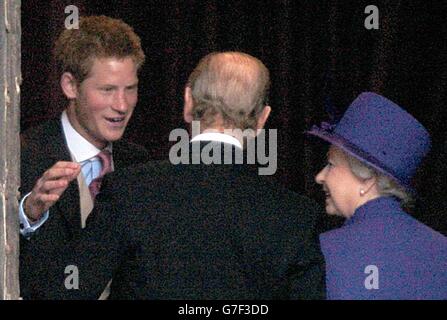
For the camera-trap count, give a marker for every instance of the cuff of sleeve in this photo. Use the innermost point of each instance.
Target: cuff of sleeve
(27, 227)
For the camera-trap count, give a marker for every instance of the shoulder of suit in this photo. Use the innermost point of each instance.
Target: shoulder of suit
(282, 192)
(127, 148)
(136, 171)
(143, 169)
(42, 133)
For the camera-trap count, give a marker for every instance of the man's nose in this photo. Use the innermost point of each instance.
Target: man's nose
(121, 102)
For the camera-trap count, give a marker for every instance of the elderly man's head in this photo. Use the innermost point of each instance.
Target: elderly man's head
(228, 90)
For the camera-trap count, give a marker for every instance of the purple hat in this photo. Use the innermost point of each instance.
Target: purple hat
(381, 134)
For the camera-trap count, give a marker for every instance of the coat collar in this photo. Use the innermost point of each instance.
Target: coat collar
(377, 207)
(52, 139)
(217, 137)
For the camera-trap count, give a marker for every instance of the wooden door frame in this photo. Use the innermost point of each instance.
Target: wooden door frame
(10, 81)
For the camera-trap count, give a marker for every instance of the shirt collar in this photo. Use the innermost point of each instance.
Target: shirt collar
(374, 208)
(79, 147)
(217, 136)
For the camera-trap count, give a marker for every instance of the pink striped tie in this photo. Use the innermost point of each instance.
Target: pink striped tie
(106, 161)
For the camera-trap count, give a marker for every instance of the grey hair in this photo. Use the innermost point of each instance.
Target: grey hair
(233, 85)
(386, 186)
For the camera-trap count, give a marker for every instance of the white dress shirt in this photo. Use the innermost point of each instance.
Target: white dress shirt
(217, 136)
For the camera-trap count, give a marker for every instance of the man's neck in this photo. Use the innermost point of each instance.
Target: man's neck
(237, 134)
(72, 118)
(79, 147)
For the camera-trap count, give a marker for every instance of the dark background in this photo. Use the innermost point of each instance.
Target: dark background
(319, 53)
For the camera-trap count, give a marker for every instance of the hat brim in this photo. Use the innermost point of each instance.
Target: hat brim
(359, 154)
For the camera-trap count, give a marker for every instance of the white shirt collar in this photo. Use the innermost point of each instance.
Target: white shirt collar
(217, 136)
(79, 147)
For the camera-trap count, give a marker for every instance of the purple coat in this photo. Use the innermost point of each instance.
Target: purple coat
(383, 253)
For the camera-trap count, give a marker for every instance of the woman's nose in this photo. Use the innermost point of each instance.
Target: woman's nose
(319, 178)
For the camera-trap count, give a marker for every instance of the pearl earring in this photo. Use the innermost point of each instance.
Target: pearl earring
(362, 192)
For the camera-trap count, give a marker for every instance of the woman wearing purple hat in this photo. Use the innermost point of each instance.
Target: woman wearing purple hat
(380, 252)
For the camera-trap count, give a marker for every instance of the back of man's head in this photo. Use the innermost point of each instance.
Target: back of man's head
(230, 87)
(97, 37)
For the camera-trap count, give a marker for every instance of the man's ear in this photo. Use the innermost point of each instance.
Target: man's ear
(187, 105)
(262, 119)
(69, 85)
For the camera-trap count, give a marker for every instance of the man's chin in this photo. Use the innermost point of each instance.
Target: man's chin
(112, 136)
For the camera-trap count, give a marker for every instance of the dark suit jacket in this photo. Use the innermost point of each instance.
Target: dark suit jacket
(42, 147)
(199, 232)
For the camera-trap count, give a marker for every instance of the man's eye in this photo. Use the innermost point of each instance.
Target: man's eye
(107, 89)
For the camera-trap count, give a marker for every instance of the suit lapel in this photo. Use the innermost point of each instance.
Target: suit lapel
(68, 206)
